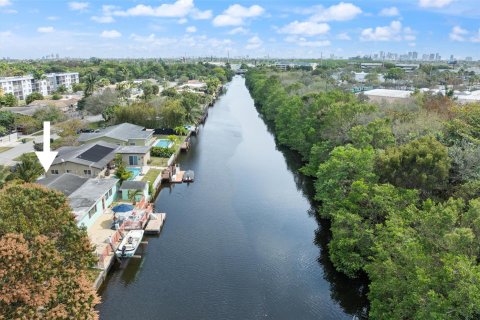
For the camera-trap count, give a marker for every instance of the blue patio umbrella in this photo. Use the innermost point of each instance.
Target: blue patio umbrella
(122, 208)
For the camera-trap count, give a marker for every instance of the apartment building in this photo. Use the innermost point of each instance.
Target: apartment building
(22, 86)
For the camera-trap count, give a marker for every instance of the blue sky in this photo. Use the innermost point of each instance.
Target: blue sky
(302, 28)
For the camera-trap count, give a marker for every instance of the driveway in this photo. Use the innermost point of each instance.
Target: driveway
(19, 148)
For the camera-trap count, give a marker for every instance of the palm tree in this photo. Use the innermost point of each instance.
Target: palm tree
(125, 72)
(192, 107)
(181, 130)
(90, 84)
(29, 169)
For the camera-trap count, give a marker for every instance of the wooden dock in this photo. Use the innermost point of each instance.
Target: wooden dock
(155, 225)
(178, 177)
(185, 146)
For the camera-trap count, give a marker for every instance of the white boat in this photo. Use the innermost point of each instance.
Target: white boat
(189, 176)
(129, 244)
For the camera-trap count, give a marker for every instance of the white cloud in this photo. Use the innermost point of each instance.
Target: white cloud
(343, 36)
(191, 29)
(254, 43)
(339, 12)
(78, 6)
(238, 30)
(106, 17)
(9, 11)
(45, 29)
(201, 15)
(52, 18)
(303, 42)
(5, 34)
(307, 28)
(412, 44)
(458, 34)
(236, 14)
(178, 9)
(389, 12)
(110, 34)
(392, 32)
(182, 21)
(476, 37)
(103, 19)
(153, 40)
(434, 3)
(4, 3)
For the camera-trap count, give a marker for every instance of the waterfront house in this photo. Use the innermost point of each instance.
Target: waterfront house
(124, 134)
(88, 198)
(134, 189)
(89, 160)
(134, 156)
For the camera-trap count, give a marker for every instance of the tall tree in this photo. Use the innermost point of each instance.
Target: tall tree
(44, 257)
(421, 164)
(90, 84)
(28, 170)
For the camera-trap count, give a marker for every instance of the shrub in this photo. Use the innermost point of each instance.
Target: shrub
(161, 152)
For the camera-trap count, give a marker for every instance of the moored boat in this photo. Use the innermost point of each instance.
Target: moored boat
(129, 244)
(189, 176)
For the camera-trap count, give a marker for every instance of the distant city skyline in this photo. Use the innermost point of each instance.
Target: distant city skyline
(280, 29)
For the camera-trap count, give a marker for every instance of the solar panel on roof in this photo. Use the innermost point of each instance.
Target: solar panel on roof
(95, 153)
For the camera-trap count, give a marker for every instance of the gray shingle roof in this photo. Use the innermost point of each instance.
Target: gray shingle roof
(82, 193)
(88, 194)
(133, 149)
(133, 185)
(66, 183)
(123, 132)
(75, 154)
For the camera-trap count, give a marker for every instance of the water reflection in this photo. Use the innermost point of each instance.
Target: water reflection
(242, 241)
(351, 294)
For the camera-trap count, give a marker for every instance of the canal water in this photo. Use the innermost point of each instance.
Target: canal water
(241, 242)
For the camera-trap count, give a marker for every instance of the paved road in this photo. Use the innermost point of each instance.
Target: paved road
(19, 148)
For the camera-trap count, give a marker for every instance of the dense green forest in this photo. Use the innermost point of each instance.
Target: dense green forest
(113, 71)
(400, 184)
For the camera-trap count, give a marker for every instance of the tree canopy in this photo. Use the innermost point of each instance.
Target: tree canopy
(400, 184)
(44, 257)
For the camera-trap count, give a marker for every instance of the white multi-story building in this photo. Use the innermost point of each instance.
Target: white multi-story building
(58, 79)
(22, 86)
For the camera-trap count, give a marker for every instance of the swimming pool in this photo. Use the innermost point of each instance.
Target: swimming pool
(164, 143)
(135, 171)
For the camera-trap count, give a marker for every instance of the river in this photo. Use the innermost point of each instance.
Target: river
(241, 242)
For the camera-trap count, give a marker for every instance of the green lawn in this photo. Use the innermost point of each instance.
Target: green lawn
(151, 175)
(97, 125)
(3, 149)
(158, 162)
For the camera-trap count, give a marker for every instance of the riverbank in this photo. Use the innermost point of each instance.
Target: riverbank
(241, 242)
(157, 176)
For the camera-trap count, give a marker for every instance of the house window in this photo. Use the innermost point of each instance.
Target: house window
(87, 172)
(68, 171)
(132, 143)
(54, 171)
(92, 211)
(110, 193)
(133, 160)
